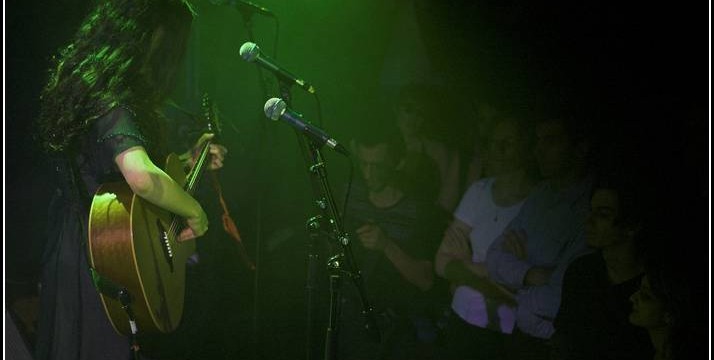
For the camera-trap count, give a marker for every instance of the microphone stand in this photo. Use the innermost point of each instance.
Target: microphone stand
(314, 227)
(248, 22)
(338, 265)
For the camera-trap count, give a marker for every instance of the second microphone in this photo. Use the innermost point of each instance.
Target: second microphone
(277, 109)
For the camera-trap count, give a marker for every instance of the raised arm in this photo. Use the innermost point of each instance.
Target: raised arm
(154, 185)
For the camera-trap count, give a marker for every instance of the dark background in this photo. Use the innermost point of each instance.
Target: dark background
(639, 70)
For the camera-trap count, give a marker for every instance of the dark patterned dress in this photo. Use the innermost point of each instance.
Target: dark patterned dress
(72, 322)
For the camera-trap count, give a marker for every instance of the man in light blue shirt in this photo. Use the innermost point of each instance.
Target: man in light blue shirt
(531, 255)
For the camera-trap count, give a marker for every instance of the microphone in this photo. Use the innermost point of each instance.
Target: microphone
(277, 109)
(250, 52)
(246, 7)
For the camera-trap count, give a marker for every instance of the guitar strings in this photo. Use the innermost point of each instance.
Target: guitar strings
(191, 183)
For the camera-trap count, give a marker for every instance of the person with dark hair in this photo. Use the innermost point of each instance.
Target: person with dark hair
(592, 319)
(669, 305)
(416, 116)
(532, 253)
(484, 313)
(393, 234)
(100, 122)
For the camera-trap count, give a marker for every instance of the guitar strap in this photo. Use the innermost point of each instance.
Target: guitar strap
(229, 225)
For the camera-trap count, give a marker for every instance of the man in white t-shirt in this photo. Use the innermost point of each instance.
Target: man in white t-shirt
(484, 311)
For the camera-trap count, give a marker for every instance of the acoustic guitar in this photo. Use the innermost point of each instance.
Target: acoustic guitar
(133, 245)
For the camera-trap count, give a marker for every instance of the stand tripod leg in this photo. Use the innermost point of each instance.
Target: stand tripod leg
(125, 300)
(120, 293)
(311, 288)
(333, 327)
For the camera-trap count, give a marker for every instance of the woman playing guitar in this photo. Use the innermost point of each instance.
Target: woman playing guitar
(100, 122)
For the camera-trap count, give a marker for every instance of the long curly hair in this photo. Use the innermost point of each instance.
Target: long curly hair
(126, 52)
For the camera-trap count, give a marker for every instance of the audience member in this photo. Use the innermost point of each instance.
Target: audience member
(533, 252)
(415, 114)
(392, 243)
(669, 305)
(592, 320)
(484, 312)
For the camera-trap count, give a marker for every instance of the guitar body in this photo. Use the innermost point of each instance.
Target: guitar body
(132, 243)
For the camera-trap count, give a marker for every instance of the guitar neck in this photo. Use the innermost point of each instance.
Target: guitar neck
(201, 163)
(203, 160)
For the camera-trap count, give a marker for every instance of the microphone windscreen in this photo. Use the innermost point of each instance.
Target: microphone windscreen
(249, 51)
(274, 108)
